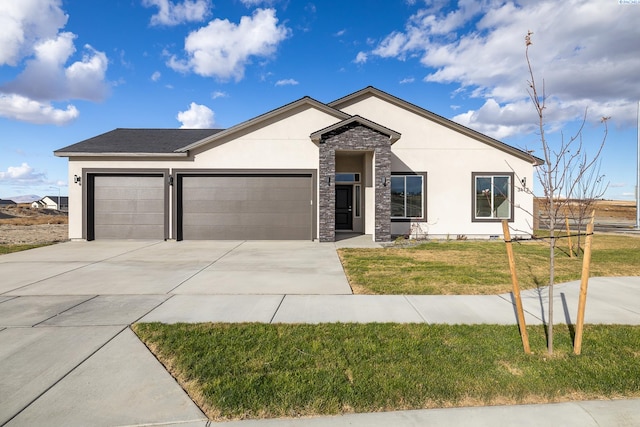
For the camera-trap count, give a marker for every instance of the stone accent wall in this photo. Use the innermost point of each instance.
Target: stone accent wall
(355, 137)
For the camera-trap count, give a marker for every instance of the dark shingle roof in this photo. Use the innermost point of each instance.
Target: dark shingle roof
(152, 141)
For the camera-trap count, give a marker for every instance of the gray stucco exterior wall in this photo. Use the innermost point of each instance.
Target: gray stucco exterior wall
(355, 137)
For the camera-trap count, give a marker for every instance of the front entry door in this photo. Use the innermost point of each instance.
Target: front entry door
(344, 207)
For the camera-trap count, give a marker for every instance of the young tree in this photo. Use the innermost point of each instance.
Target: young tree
(565, 168)
(587, 191)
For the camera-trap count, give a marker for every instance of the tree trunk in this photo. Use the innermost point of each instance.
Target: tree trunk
(552, 247)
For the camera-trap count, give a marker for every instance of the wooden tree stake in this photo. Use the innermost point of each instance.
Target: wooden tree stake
(516, 288)
(566, 220)
(584, 282)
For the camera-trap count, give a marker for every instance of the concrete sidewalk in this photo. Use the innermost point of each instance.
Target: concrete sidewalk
(610, 301)
(68, 357)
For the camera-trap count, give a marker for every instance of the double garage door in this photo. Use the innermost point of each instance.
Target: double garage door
(212, 206)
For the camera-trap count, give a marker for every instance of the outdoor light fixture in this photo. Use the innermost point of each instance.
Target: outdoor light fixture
(384, 181)
(77, 179)
(523, 181)
(328, 180)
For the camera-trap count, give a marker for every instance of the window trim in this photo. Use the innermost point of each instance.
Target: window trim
(510, 175)
(423, 218)
(357, 200)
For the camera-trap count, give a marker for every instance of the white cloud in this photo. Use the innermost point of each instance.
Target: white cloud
(407, 80)
(46, 78)
(26, 22)
(16, 107)
(223, 49)
(585, 51)
(196, 117)
(254, 3)
(499, 121)
(361, 58)
(392, 46)
(287, 82)
(219, 94)
(32, 33)
(171, 13)
(156, 76)
(23, 174)
(85, 79)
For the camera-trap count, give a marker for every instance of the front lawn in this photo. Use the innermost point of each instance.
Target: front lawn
(480, 267)
(237, 371)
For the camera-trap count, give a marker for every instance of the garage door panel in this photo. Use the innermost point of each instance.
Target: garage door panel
(127, 231)
(247, 207)
(129, 207)
(250, 206)
(231, 220)
(122, 219)
(139, 206)
(242, 233)
(116, 194)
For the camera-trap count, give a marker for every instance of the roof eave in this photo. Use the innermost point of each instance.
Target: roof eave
(106, 154)
(393, 135)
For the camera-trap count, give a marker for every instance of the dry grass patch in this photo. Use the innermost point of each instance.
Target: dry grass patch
(40, 220)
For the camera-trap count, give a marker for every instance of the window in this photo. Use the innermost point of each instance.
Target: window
(407, 196)
(356, 189)
(347, 177)
(492, 196)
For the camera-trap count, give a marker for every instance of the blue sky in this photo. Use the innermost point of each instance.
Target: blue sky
(72, 69)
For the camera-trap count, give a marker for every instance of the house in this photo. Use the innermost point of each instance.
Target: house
(366, 163)
(60, 203)
(5, 203)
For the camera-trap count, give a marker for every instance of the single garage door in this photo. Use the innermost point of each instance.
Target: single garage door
(128, 207)
(245, 207)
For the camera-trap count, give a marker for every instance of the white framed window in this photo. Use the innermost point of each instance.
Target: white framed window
(408, 196)
(492, 196)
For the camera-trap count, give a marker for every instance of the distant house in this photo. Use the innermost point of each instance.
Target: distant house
(60, 203)
(7, 203)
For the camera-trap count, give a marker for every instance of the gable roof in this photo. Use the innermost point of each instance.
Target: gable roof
(393, 135)
(372, 91)
(177, 142)
(308, 101)
(137, 142)
(7, 202)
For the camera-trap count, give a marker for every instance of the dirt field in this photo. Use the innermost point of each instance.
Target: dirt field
(23, 224)
(613, 214)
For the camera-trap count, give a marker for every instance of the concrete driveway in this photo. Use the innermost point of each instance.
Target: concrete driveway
(187, 268)
(67, 355)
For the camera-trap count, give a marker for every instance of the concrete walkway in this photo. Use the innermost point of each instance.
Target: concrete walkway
(68, 357)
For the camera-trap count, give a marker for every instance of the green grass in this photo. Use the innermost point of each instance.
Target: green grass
(480, 267)
(236, 371)
(7, 249)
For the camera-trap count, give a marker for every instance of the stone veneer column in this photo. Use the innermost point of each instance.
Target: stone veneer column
(382, 166)
(326, 196)
(355, 137)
